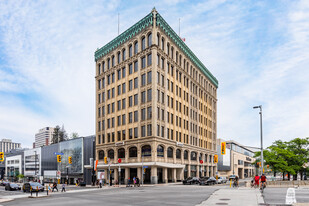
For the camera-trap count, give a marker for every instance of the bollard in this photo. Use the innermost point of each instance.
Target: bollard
(230, 183)
(31, 191)
(36, 192)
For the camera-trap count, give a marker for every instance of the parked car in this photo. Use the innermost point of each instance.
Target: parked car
(32, 186)
(208, 181)
(12, 186)
(232, 177)
(191, 180)
(222, 180)
(3, 183)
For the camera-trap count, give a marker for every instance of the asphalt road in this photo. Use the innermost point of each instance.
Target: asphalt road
(278, 195)
(152, 195)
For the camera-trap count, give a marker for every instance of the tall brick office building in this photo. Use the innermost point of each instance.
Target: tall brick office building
(156, 106)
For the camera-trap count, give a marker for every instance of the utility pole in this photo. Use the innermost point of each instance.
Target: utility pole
(142, 169)
(261, 131)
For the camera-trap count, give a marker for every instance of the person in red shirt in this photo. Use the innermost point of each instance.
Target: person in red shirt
(256, 180)
(263, 180)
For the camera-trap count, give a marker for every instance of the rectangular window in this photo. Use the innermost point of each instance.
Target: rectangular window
(162, 131)
(118, 120)
(113, 77)
(108, 109)
(118, 135)
(149, 60)
(123, 119)
(135, 66)
(158, 112)
(130, 117)
(118, 89)
(99, 98)
(130, 69)
(130, 85)
(143, 100)
(162, 97)
(149, 130)
(99, 84)
(108, 64)
(158, 95)
(162, 114)
(108, 123)
(168, 133)
(113, 107)
(130, 101)
(103, 125)
(123, 135)
(135, 132)
(108, 94)
(135, 83)
(130, 134)
(162, 81)
(143, 131)
(123, 103)
(118, 105)
(158, 130)
(149, 112)
(143, 62)
(143, 114)
(113, 92)
(119, 74)
(149, 95)
(135, 116)
(103, 82)
(130, 50)
(123, 88)
(103, 67)
(108, 137)
(158, 78)
(162, 63)
(123, 72)
(149, 77)
(158, 60)
(108, 79)
(103, 111)
(143, 82)
(119, 57)
(123, 55)
(113, 122)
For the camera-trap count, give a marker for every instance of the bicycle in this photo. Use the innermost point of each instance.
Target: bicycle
(263, 186)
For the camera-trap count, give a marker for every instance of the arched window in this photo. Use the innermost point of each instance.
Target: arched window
(149, 40)
(193, 155)
(210, 157)
(178, 154)
(135, 47)
(99, 69)
(172, 52)
(101, 154)
(146, 151)
(113, 61)
(158, 39)
(170, 152)
(143, 43)
(176, 56)
(160, 151)
(168, 49)
(110, 153)
(205, 158)
(121, 153)
(162, 44)
(133, 152)
(185, 154)
(118, 57)
(130, 50)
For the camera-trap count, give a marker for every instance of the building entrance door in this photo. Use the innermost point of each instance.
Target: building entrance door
(133, 173)
(122, 173)
(160, 175)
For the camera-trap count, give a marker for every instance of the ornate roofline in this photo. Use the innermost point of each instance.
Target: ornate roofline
(125, 36)
(145, 22)
(179, 42)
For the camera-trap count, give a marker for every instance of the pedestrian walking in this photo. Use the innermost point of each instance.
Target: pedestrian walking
(63, 187)
(129, 182)
(137, 182)
(134, 181)
(100, 183)
(55, 186)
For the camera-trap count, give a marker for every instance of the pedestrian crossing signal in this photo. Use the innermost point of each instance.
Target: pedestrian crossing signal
(223, 148)
(58, 158)
(70, 160)
(1, 156)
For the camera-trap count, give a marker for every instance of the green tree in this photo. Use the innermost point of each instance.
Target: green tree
(74, 135)
(59, 135)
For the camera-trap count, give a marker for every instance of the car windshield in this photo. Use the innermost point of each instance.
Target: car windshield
(189, 178)
(204, 178)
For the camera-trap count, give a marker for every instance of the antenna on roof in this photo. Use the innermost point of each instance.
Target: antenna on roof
(118, 24)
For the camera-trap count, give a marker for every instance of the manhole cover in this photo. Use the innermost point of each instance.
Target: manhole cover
(221, 203)
(225, 199)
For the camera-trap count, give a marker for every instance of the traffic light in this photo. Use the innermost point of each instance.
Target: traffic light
(216, 159)
(144, 170)
(58, 158)
(70, 159)
(105, 160)
(223, 148)
(1, 156)
(267, 166)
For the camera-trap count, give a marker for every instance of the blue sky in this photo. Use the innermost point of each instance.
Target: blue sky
(258, 50)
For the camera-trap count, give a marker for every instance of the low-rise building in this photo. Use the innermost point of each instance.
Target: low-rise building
(238, 160)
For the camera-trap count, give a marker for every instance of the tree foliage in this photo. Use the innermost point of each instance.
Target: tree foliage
(287, 157)
(59, 135)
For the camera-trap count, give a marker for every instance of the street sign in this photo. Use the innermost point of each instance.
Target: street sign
(201, 161)
(58, 172)
(145, 167)
(119, 169)
(58, 153)
(119, 160)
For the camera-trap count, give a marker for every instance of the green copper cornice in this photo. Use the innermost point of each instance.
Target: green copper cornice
(125, 36)
(142, 24)
(178, 41)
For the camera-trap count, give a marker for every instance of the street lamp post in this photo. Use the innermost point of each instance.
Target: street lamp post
(262, 158)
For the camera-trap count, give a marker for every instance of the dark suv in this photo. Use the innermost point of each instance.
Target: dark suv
(191, 180)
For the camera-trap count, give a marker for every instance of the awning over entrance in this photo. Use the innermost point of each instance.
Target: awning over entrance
(134, 165)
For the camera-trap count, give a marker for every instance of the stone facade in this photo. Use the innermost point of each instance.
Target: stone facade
(155, 106)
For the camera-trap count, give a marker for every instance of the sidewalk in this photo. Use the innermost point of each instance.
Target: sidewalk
(238, 197)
